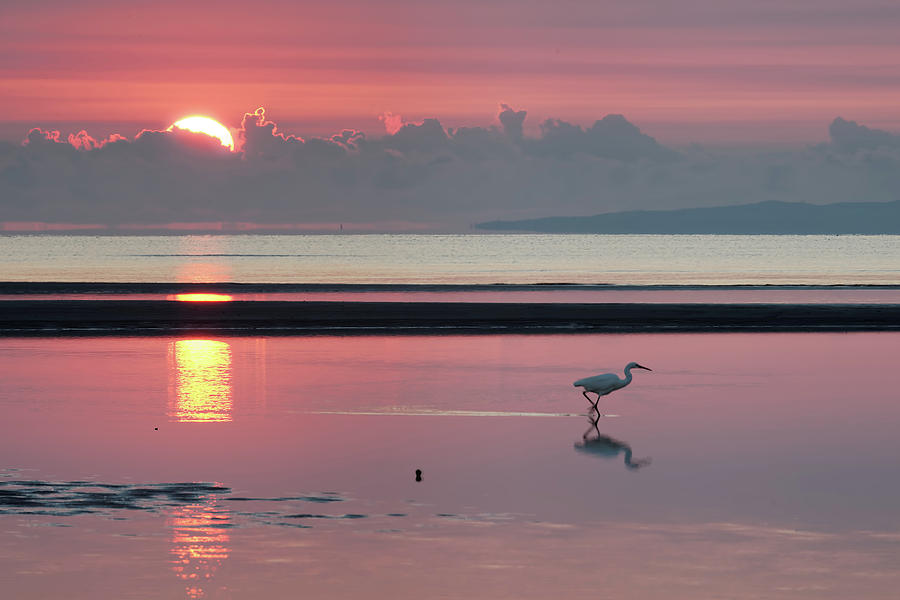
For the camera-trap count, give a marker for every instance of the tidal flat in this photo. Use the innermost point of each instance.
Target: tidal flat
(745, 465)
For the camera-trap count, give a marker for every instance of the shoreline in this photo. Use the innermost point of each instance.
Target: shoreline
(20, 318)
(116, 288)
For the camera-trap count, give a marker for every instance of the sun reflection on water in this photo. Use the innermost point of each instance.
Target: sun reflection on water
(202, 390)
(199, 545)
(196, 297)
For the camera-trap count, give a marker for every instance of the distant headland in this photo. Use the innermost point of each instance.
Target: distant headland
(797, 218)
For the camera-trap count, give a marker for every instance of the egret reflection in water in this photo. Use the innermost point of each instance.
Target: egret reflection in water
(597, 444)
(200, 373)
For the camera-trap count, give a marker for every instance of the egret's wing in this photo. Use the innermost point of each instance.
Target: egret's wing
(601, 381)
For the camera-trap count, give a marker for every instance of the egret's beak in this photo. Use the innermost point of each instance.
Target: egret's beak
(642, 367)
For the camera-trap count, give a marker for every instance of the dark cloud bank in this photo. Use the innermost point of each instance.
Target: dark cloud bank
(423, 173)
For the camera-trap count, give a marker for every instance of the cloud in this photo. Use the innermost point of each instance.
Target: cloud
(850, 136)
(421, 173)
(512, 121)
(260, 139)
(428, 136)
(392, 122)
(39, 137)
(611, 137)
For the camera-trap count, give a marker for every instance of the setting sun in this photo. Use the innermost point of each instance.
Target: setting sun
(211, 127)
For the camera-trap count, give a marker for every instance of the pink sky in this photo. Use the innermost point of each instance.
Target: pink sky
(690, 71)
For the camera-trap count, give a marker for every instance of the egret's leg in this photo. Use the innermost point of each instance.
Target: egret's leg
(595, 422)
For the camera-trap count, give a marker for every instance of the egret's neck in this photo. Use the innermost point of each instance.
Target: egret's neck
(627, 457)
(628, 375)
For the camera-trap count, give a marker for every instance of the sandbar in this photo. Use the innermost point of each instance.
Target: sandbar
(163, 317)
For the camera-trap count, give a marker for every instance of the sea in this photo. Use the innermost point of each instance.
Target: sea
(483, 267)
(194, 465)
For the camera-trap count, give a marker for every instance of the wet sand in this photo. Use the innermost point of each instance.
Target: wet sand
(153, 317)
(187, 467)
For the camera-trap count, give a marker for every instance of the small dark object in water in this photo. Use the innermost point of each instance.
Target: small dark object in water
(156, 429)
(418, 474)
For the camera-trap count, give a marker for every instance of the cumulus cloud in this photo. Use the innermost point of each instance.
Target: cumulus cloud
(38, 137)
(428, 136)
(421, 172)
(851, 136)
(512, 121)
(392, 122)
(611, 137)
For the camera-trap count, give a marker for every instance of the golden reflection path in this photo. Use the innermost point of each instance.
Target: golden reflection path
(201, 373)
(202, 259)
(199, 297)
(199, 545)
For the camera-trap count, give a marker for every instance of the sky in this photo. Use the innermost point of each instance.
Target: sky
(689, 71)
(707, 81)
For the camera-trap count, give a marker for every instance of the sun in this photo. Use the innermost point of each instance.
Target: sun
(211, 127)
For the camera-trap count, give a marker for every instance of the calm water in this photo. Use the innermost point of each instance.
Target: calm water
(791, 295)
(456, 259)
(743, 466)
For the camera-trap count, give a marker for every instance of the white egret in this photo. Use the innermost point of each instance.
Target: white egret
(606, 383)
